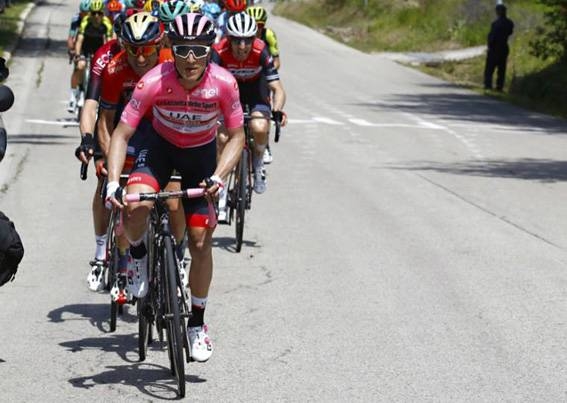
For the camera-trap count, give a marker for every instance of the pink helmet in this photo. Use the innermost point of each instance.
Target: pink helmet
(192, 27)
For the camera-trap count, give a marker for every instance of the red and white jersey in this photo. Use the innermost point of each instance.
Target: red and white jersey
(259, 62)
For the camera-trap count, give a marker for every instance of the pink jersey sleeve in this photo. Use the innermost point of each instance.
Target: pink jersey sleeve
(142, 98)
(230, 101)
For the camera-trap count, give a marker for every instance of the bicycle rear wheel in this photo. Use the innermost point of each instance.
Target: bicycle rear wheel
(175, 322)
(241, 197)
(144, 324)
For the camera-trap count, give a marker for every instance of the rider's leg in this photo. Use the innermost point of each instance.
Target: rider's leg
(260, 129)
(95, 278)
(76, 79)
(135, 224)
(100, 221)
(201, 270)
(177, 219)
(200, 276)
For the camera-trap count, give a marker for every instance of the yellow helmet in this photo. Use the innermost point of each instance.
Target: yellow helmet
(96, 6)
(258, 13)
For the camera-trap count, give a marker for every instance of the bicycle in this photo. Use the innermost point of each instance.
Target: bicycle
(240, 181)
(165, 305)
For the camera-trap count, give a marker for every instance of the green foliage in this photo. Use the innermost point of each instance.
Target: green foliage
(9, 22)
(551, 40)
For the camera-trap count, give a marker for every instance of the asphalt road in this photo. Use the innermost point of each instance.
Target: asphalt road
(410, 246)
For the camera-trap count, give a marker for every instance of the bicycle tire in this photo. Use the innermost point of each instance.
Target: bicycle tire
(112, 264)
(231, 196)
(143, 327)
(174, 321)
(241, 198)
(146, 315)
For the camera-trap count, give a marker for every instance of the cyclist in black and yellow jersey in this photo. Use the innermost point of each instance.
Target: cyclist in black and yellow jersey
(260, 15)
(94, 31)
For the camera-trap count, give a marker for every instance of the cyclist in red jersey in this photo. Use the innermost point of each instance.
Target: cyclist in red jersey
(141, 37)
(186, 99)
(248, 59)
(89, 148)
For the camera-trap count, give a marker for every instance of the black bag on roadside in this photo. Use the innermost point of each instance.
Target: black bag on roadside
(11, 250)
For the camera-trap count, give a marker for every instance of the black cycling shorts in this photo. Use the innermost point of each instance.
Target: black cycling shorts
(157, 161)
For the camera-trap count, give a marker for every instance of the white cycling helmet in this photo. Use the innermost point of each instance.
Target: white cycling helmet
(241, 25)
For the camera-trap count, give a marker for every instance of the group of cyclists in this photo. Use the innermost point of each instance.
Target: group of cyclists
(168, 86)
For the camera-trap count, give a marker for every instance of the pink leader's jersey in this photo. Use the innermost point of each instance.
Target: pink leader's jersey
(185, 118)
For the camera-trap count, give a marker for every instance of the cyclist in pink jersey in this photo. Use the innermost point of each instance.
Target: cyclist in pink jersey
(184, 101)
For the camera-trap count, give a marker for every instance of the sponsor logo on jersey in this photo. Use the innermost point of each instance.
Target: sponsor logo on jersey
(135, 104)
(206, 92)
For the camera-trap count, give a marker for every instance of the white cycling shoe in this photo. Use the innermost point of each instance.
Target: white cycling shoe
(95, 278)
(200, 343)
(223, 196)
(138, 272)
(268, 158)
(260, 181)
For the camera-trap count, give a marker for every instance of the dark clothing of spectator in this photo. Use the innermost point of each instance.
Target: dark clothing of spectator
(498, 49)
(11, 250)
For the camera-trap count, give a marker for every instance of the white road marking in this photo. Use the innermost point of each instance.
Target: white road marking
(361, 122)
(54, 122)
(329, 121)
(300, 121)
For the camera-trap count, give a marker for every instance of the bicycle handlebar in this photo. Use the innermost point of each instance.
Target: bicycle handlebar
(84, 169)
(184, 194)
(179, 194)
(276, 118)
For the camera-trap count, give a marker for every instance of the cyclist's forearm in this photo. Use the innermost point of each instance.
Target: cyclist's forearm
(279, 95)
(71, 43)
(231, 152)
(105, 127)
(117, 152)
(79, 44)
(88, 117)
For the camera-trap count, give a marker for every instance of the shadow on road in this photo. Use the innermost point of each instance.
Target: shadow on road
(97, 314)
(463, 106)
(527, 168)
(229, 243)
(121, 344)
(150, 379)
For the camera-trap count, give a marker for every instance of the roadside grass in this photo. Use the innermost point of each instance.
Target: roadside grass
(531, 83)
(405, 25)
(433, 25)
(9, 23)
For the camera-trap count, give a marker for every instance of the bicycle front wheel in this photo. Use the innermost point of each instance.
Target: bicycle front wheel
(112, 268)
(175, 322)
(241, 197)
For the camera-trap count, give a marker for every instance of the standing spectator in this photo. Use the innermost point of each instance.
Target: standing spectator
(498, 49)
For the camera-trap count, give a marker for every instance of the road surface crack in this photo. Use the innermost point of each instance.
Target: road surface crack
(485, 210)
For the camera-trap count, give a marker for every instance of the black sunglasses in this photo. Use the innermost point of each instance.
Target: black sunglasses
(97, 13)
(247, 41)
(183, 51)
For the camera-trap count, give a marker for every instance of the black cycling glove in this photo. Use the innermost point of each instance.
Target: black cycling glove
(87, 145)
(278, 116)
